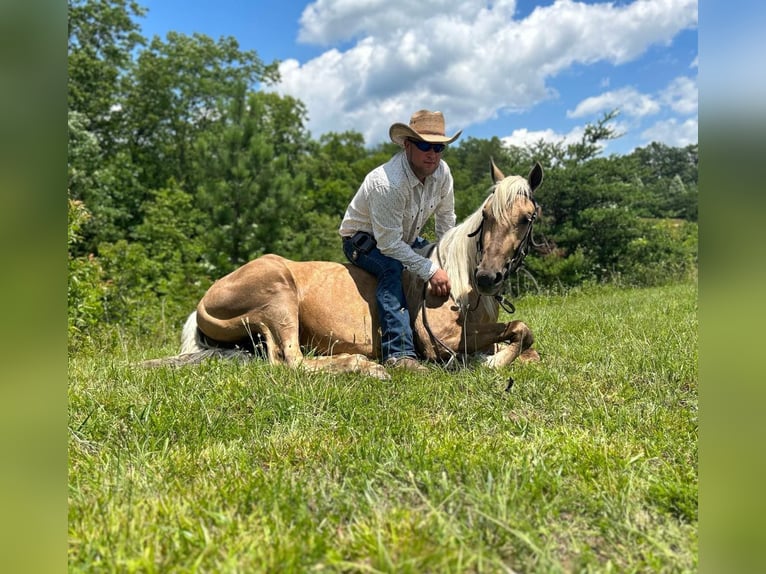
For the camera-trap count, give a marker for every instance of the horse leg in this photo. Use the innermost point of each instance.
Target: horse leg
(340, 363)
(519, 345)
(283, 346)
(346, 363)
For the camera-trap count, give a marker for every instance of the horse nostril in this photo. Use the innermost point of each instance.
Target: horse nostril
(486, 280)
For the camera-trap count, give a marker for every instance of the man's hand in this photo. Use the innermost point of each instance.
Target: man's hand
(440, 284)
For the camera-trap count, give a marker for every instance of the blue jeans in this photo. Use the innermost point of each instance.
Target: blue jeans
(393, 313)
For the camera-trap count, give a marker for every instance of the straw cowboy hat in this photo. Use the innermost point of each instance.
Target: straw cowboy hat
(424, 125)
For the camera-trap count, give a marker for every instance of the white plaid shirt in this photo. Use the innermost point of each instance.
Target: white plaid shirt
(393, 206)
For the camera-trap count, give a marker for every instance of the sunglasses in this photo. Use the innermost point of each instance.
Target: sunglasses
(425, 146)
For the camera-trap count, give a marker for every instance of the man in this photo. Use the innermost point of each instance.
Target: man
(383, 221)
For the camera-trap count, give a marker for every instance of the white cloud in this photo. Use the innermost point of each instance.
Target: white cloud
(681, 96)
(627, 100)
(523, 137)
(678, 97)
(468, 58)
(672, 132)
(327, 22)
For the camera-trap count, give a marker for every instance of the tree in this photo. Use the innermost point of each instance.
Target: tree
(332, 171)
(670, 177)
(162, 267)
(665, 162)
(154, 110)
(589, 145)
(249, 189)
(107, 185)
(176, 92)
(102, 35)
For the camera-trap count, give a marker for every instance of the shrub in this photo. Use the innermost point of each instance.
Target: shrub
(87, 289)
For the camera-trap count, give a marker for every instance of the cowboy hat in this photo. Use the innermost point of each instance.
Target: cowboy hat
(424, 125)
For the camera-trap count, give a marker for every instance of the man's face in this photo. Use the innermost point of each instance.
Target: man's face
(423, 163)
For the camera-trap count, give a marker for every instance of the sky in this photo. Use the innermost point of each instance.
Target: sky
(516, 69)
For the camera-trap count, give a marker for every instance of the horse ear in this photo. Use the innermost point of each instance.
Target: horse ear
(494, 172)
(535, 177)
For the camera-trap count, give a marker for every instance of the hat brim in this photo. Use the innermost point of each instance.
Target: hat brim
(400, 132)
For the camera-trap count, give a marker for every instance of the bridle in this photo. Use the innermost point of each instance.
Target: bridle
(512, 265)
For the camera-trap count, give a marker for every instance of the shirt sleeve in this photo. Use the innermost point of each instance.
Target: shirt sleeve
(387, 204)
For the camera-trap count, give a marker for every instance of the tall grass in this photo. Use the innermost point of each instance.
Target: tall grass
(587, 463)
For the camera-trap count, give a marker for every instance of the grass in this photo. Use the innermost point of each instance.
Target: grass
(588, 463)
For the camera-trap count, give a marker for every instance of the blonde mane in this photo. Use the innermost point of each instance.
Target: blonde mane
(457, 253)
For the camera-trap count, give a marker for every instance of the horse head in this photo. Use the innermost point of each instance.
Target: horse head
(505, 231)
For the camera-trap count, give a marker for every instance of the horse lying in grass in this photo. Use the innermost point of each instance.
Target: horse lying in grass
(281, 306)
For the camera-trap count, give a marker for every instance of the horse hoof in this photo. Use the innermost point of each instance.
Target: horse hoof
(379, 372)
(529, 356)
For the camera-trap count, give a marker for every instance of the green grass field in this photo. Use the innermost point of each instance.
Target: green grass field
(587, 464)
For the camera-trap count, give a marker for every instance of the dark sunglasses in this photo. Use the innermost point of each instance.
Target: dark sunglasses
(425, 146)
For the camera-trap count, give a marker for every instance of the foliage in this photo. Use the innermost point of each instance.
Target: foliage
(587, 464)
(162, 268)
(665, 248)
(101, 36)
(248, 176)
(87, 288)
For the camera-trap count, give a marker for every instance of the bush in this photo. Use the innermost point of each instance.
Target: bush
(87, 289)
(556, 271)
(665, 251)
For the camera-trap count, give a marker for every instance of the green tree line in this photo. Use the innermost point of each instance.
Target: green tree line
(181, 167)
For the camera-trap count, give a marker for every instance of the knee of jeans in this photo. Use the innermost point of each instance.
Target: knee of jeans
(393, 267)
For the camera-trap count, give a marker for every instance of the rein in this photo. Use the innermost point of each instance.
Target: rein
(434, 338)
(512, 265)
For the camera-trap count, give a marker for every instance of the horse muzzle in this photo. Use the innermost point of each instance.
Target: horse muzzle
(489, 283)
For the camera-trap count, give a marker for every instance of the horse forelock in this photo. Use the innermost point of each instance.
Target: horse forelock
(506, 193)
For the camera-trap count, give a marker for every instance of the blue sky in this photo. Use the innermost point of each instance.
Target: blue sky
(518, 70)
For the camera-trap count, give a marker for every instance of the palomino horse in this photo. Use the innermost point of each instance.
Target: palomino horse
(330, 307)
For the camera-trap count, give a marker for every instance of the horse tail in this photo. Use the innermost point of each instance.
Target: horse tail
(195, 348)
(191, 342)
